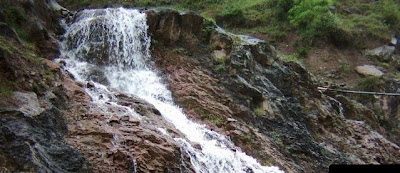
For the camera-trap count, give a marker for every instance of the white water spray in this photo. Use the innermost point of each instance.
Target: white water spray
(115, 42)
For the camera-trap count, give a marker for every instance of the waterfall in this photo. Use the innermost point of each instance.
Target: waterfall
(110, 49)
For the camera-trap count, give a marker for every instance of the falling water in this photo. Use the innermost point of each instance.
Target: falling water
(116, 41)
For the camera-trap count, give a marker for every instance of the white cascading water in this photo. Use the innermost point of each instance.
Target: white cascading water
(122, 33)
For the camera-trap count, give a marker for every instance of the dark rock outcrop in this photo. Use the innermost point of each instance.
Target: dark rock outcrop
(271, 109)
(36, 144)
(282, 119)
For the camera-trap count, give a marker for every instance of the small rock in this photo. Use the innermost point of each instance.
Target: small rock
(231, 120)
(28, 103)
(62, 63)
(219, 55)
(90, 85)
(124, 118)
(197, 146)
(134, 121)
(383, 53)
(369, 70)
(114, 119)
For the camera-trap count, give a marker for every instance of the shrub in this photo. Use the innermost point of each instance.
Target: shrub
(313, 18)
(389, 10)
(231, 17)
(282, 7)
(5, 91)
(302, 51)
(259, 112)
(371, 83)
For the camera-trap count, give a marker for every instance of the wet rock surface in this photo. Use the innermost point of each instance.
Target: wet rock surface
(282, 119)
(36, 144)
(271, 109)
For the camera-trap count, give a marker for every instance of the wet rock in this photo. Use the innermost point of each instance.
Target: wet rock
(191, 25)
(369, 70)
(169, 26)
(90, 85)
(34, 144)
(301, 129)
(169, 29)
(97, 75)
(28, 103)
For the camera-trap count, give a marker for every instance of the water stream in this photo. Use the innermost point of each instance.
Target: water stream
(110, 48)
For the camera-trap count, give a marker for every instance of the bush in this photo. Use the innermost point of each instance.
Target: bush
(313, 18)
(371, 84)
(231, 17)
(282, 7)
(389, 10)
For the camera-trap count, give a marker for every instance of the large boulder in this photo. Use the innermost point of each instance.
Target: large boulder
(169, 26)
(369, 70)
(36, 144)
(383, 53)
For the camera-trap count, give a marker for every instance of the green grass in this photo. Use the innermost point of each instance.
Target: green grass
(26, 51)
(5, 91)
(344, 67)
(290, 57)
(247, 138)
(350, 22)
(371, 83)
(259, 112)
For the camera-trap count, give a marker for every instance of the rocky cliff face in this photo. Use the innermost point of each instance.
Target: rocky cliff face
(272, 109)
(235, 84)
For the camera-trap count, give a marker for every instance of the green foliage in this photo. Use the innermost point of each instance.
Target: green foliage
(390, 12)
(350, 22)
(290, 58)
(15, 17)
(5, 91)
(344, 67)
(259, 112)
(302, 51)
(276, 138)
(205, 115)
(313, 17)
(247, 138)
(371, 83)
(220, 67)
(180, 50)
(282, 7)
(27, 52)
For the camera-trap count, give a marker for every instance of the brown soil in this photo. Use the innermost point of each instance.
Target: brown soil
(330, 64)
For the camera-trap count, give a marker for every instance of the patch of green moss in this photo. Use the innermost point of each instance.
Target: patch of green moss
(5, 91)
(259, 112)
(276, 139)
(371, 83)
(205, 115)
(26, 51)
(247, 138)
(220, 68)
